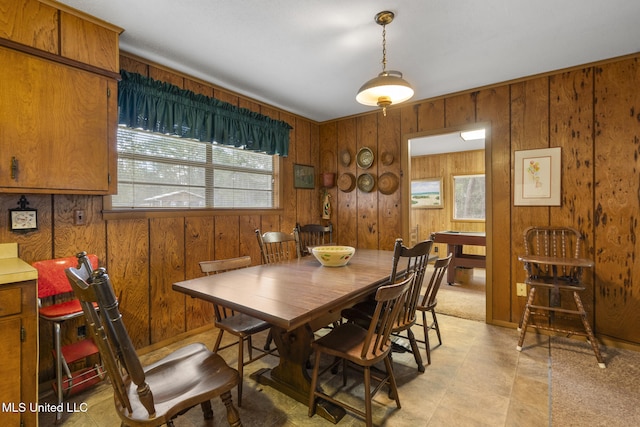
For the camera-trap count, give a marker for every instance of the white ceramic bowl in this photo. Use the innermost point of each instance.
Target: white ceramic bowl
(333, 256)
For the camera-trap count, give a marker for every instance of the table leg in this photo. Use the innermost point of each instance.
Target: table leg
(290, 376)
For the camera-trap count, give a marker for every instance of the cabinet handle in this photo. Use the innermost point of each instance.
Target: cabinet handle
(14, 168)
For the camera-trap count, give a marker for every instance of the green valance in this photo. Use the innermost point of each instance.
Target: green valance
(162, 107)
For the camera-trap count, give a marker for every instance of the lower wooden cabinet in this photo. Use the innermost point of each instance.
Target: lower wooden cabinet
(19, 354)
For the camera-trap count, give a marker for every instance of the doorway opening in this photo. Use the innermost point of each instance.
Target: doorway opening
(446, 188)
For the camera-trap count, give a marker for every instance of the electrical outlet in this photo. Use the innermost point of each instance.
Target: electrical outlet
(521, 289)
(79, 217)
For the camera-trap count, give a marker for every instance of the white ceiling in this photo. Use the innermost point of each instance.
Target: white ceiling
(310, 57)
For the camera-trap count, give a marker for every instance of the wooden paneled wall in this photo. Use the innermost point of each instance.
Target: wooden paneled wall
(445, 166)
(591, 112)
(145, 255)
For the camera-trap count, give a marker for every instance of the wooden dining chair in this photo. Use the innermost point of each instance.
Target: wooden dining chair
(277, 246)
(428, 301)
(405, 261)
(313, 235)
(158, 393)
(240, 325)
(363, 347)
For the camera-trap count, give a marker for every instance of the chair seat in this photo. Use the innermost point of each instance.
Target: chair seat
(190, 374)
(62, 311)
(346, 341)
(242, 325)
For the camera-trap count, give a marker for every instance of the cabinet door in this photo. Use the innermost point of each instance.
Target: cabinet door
(54, 127)
(10, 385)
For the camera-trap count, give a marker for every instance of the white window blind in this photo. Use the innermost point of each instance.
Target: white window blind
(163, 171)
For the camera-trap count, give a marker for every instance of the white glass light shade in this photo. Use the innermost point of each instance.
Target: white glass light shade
(386, 89)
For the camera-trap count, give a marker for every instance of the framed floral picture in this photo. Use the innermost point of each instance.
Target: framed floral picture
(537, 177)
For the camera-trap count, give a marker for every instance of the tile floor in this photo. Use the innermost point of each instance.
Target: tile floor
(477, 378)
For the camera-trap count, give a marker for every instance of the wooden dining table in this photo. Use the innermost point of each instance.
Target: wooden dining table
(296, 297)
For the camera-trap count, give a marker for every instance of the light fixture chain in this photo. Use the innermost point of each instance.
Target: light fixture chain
(384, 48)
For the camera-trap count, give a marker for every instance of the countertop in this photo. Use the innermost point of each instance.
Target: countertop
(12, 268)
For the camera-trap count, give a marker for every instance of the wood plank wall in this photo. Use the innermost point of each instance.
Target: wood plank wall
(591, 112)
(445, 166)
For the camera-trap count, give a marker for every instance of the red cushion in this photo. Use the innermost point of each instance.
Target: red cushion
(51, 277)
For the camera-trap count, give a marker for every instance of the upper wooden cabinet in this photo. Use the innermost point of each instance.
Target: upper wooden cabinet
(58, 109)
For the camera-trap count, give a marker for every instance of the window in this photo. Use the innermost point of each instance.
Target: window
(163, 171)
(469, 197)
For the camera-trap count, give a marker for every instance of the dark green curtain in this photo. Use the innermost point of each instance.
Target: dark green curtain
(161, 107)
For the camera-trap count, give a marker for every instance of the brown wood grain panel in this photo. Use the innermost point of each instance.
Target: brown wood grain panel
(431, 115)
(88, 42)
(305, 198)
(271, 223)
(346, 215)
(571, 128)
(617, 152)
(328, 161)
(167, 263)
(134, 65)
(493, 107)
(164, 75)
(198, 87)
(247, 237)
(199, 243)
(460, 109)
(225, 96)
(389, 206)
(227, 236)
(69, 238)
(128, 268)
(289, 196)
(30, 23)
(367, 203)
(33, 245)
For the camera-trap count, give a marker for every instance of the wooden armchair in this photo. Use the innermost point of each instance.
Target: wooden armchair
(313, 235)
(553, 264)
(160, 392)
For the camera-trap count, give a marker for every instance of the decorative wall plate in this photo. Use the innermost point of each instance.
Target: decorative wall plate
(388, 183)
(386, 158)
(346, 182)
(366, 182)
(345, 157)
(365, 158)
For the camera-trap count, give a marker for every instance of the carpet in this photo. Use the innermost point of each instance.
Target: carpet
(582, 394)
(466, 300)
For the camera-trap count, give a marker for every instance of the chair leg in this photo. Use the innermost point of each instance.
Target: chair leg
(216, 346)
(415, 350)
(240, 369)
(367, 395)
(206, 410)
(314, 382)
(525, 318)
(587, 327)
(392, 381)
(426, 328)
(435, 325)
(57, 343)
(233, 417)
(267, 344)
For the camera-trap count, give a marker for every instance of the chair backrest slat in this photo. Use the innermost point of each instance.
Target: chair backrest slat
(413, 261)
(110, 335)
(431, 290)
(558, 242)
(313, 235)
(388, 304)
(220, 266)
(277, 246)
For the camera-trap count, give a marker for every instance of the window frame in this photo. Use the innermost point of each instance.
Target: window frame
(453, 197)
(111, 212)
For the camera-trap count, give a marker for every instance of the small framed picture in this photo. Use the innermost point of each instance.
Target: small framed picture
(427, 193)
(303, 176)
(23, 219)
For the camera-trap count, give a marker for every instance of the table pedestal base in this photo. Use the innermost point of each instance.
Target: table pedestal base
(290, 376)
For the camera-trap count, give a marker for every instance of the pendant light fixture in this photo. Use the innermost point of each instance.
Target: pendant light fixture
(388, 87)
